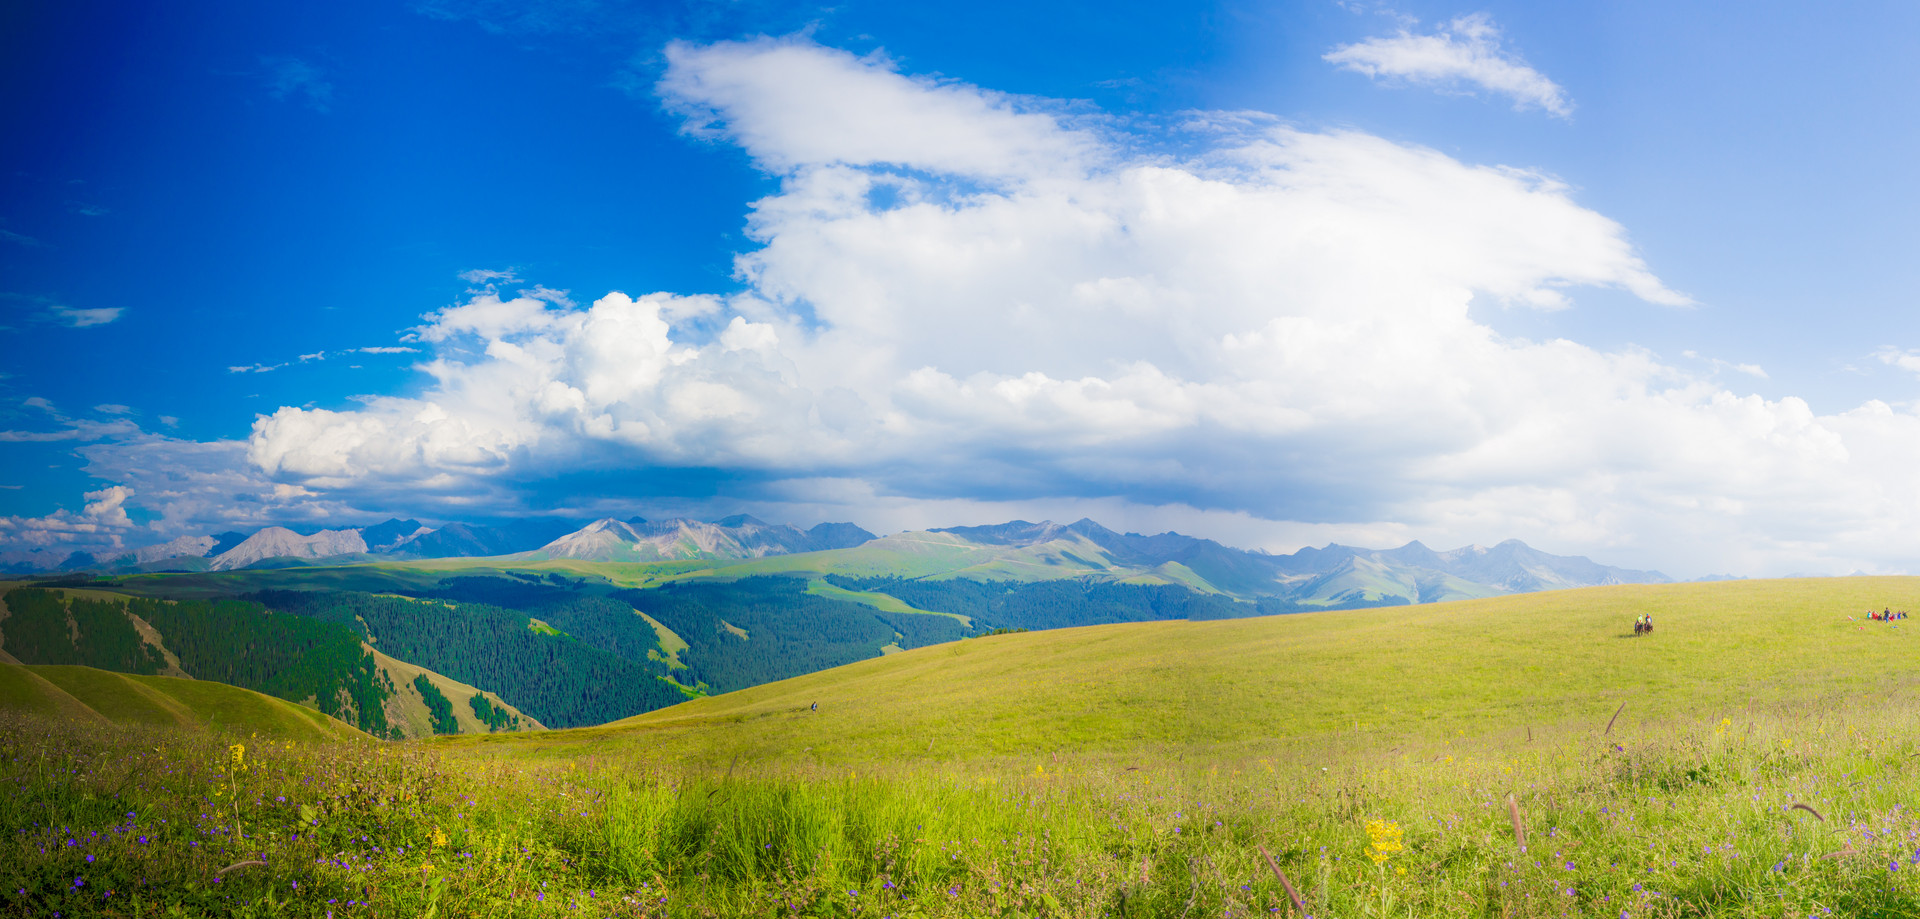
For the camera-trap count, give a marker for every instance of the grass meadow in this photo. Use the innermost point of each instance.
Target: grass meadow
(1766, 770)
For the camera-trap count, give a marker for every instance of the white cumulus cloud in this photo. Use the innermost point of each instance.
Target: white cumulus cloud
(791, 103)
(1466, 52)
(959, 301)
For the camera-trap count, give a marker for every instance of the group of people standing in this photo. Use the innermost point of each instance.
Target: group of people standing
(1886, 615)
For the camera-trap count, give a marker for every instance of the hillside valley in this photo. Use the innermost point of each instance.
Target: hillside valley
(616, 618)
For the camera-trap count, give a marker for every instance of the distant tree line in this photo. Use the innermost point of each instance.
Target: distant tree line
(556, 679)
(491, 715)
(300, 660)
(439, 710)
(44, 627)
(789, 632)
(228, 641)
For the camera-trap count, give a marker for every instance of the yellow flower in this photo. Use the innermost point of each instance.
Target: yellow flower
(439, 839)
(239, 752)
(1385, 840)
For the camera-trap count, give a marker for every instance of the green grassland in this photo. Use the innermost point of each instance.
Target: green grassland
(1391, 675)
(879, 601)
(1453, 759)
(121, 698)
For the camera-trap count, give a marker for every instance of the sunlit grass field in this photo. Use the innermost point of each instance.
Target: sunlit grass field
(1118, 771)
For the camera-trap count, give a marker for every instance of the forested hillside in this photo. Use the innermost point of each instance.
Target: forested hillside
(229, 641)
(1061, 604)
(757, 630)
(557, 679)
(566, 648)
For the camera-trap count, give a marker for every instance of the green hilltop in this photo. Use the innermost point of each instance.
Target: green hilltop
(87, 693)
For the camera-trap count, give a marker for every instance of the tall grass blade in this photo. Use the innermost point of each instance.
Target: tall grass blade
(1292, 894)
(1519, 829)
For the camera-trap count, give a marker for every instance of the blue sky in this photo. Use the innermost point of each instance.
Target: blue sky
(1622, 279)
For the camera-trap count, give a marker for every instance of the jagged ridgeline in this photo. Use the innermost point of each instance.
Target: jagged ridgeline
(237, 642)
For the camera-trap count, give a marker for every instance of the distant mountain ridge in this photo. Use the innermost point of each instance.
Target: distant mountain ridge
(739, 536)
(637, 539)
(1332, 576)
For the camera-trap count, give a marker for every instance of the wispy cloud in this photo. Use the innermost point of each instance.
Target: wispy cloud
(487, 276)
(1752, 370)
(80, 319)
(1907, 359)
(67, 428)
(293, 78)
(317, 356)
(19, 239)
(1465, 52)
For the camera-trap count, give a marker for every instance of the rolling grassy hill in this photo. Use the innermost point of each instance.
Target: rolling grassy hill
(1491, 667)
(1451, 759)
(86, 693)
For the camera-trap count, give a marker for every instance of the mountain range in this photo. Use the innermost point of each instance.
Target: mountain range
(1335, 576)
(1336, 572)
(607, 540)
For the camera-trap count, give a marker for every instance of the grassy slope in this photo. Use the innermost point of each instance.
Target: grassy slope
(407, 709)
(23, 690)
(671, 644)
(885, 603)
(1380, 676)
(84, 692)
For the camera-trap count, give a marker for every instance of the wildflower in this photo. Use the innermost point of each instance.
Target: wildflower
(439, 838)
(1384, 840)
(239, 752)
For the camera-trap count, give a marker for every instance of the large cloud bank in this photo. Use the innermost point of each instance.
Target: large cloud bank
(963, 296)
